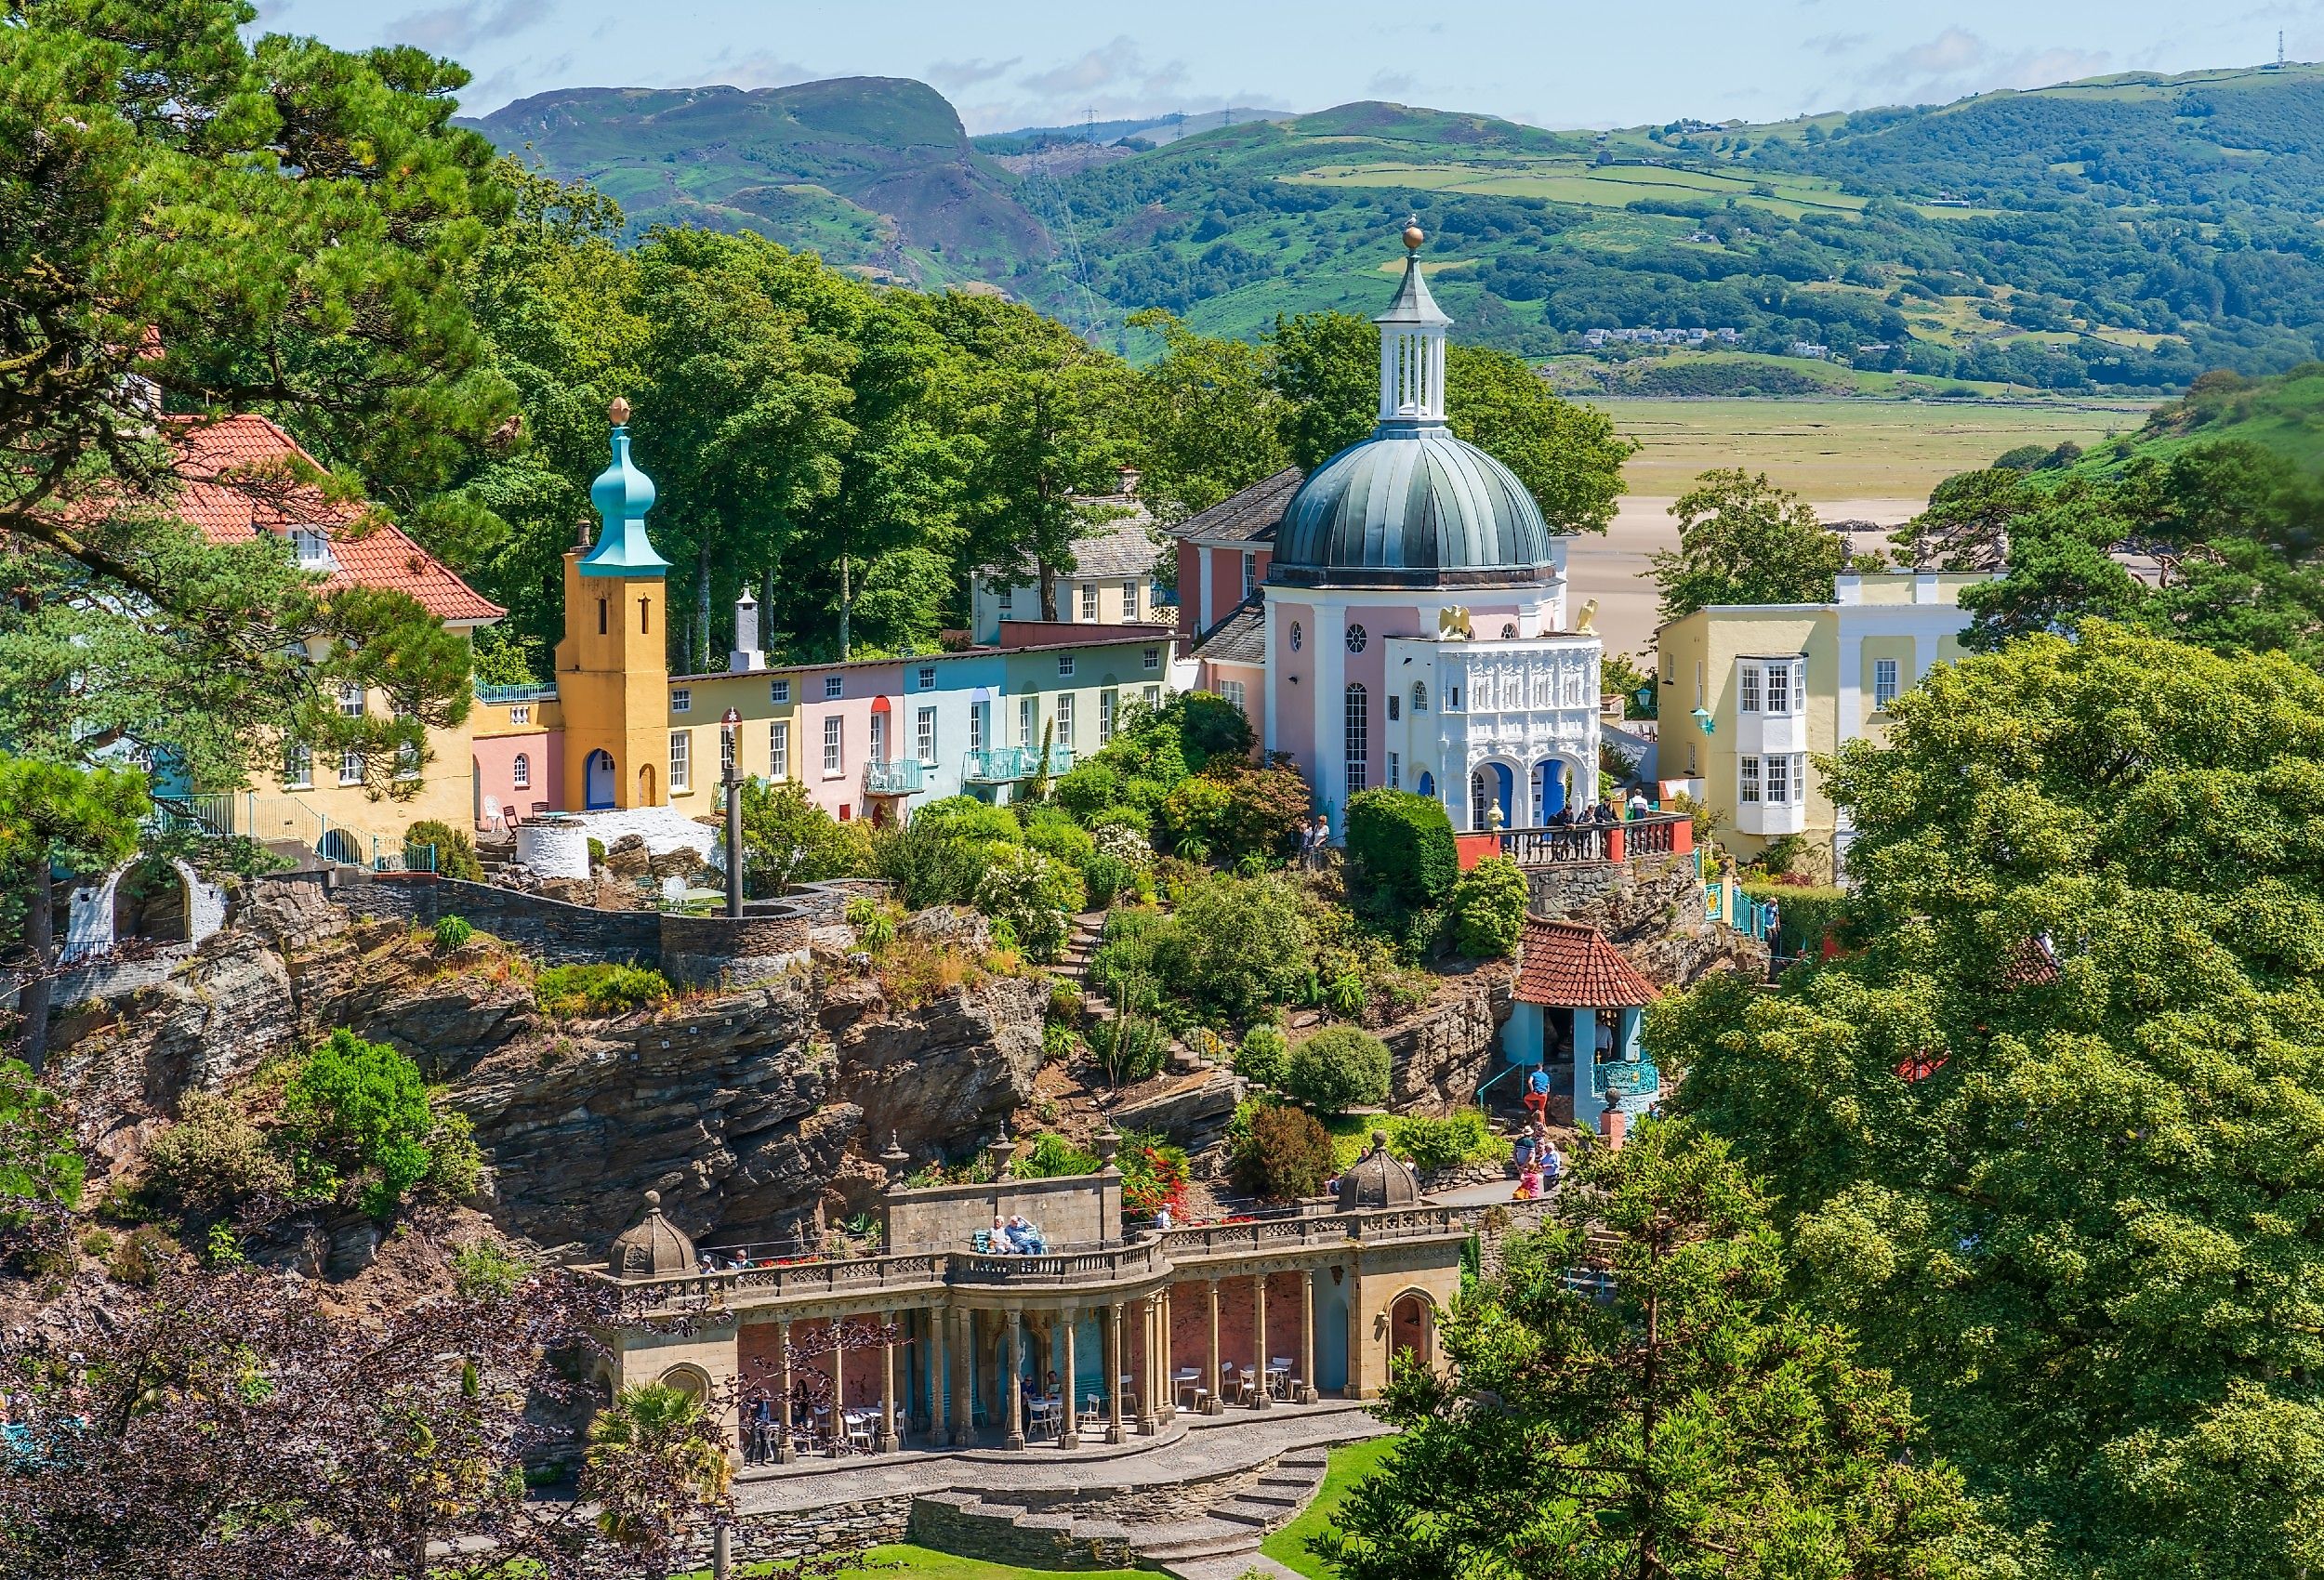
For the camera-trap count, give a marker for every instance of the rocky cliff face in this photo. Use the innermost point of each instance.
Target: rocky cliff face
(756, 1113)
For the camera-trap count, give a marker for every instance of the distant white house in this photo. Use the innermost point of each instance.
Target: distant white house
(1125, 574)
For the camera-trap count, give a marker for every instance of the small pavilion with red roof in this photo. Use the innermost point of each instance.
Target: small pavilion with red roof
(1576, 1012)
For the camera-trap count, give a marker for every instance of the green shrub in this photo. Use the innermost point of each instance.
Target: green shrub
(1441, 1143)
(1238, 945)
(1056, 835)
(1344, 995)
(1035, 895)
(1089, 791)
(1129, 1049)
(455, 851)
(1264, 1052)
(485, 1268)
(452, 935)
(139, 1257)
(1404, 843)
(1123, 833)
(1488, 909)
(214, 1162)
(787, 839)
(1283, 1154)
(871, 921)
(940, 856)
(1265, 810)
(1805, 915)
(1338, 1068)
(1106, 876)
(1052, 1157)
(1210, 726)
(357, 1121)
(1193, 813)
(596, 852)
(599, 990)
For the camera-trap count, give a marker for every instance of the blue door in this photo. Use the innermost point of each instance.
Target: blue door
(1549, 788)
(597, 785)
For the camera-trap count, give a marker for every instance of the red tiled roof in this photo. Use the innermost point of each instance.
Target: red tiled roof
(374, 554)
(1570, 966)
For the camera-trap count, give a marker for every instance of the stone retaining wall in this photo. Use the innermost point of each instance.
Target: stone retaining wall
(837, 1528)
(1038, 1541)
(1440, 1060)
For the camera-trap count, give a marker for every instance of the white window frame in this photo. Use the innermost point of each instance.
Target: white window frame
(834, 688)
(779, 749)
(1884, 687)
(298, 767)
(1233, 691)
(924, 736)
(681, 699)
(350, 767)
(1029, 721)
(1356, 704)
(312, 546)
(351, 700)
(1008, 600)
(1747, 688)
(1419, 696)
(976, 725)
(680, 760)
(1088, 603)
(1747, 780)
(779, 692)
(1065, 664)
(879, 737)
(1129, 600)
(928, 676)
(1151, 659)
(407, 760)
(521, 772)
(1153, 697)
(1250, 572)
(834, 745)
(728, 747)
(1064, 719)
(1396, 768)
(1109, 700)
(1778, 771)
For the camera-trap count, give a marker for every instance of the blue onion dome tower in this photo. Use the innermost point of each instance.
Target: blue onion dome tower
(622, 494)
(1412, 506)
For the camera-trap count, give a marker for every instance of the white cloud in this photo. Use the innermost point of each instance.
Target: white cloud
(758, 69)
(1957, 61)
(952, 74)
(1391, 84)
(450, 29)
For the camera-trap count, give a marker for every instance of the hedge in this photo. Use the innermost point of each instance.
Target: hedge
(1804, 915)
(1403, 843)
(1337, 1068)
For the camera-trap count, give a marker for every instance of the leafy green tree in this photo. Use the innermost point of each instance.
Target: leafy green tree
(1337, 1068)
(787, 839)
(2041, 1135)
(1487, 909)
(1326, 365)
(270, 226)
(1205, 417)
(41, 1166)
(1695, 1424)
(1567, 456)
(1281, 1155)
(1743, 540)
(357, 1118)
(50, 816)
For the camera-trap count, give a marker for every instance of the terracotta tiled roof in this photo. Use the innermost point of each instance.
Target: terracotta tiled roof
(1569, 966)
(374, 555)
(1248, 517)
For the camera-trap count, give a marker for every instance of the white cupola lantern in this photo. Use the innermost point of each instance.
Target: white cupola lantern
(1412, 346)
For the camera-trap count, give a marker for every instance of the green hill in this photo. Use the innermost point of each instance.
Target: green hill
(2121, 234)
(2284, 413)
(875, 172)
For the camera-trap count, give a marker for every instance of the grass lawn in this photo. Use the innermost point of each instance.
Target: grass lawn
(1288, 1546)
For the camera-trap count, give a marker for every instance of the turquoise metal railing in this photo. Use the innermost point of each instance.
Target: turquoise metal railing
(897, 776)
(1002, 765)
(531, 692)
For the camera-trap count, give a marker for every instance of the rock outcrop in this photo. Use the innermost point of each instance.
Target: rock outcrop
(757, 1113)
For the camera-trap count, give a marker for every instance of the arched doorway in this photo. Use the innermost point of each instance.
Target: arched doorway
(1412, 1329)
(1552, 788)
(691, 1381)
(337, 845)
(596, 785)
(152, 900)
(1489, 787)
(646, 795)
(1427, 784)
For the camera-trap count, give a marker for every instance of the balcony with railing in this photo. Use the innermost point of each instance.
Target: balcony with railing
(894, 776)
(531, 692)
(1006, 765)
(1657, 834)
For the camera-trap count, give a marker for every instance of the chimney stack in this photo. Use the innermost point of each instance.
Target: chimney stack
(745, 657)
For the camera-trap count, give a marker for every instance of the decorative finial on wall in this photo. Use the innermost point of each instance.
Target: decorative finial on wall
(1413, 234)
(618, 412)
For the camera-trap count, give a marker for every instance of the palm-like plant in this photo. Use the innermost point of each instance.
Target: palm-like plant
(653, 1457)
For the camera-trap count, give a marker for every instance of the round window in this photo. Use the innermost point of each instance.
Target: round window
(1508, 633)
(1299, 636)
(1356, 638)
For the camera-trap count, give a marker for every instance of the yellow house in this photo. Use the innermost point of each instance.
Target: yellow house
(324, 805)
(1750, 693)
(613, 666)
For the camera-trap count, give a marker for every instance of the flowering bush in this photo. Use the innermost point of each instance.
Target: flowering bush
(1123, 844)
(1033, 893)
(1154, 1176)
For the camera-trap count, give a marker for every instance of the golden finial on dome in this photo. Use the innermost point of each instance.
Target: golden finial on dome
(618, 412)
(1413, 234)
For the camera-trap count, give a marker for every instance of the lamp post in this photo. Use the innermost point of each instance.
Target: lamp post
(732, 755)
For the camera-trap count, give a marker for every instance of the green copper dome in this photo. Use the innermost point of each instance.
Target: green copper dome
(1414, 506)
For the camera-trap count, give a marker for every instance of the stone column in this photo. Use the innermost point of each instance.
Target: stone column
(1210, 1380)
(1166, 1384)
(838, 1392)
(1309, 1392)
(889, 1442)
(963, 1347)
(786, 1451)
(1148, 1422)
(1013, 1383)
(1260, 1398)
(932, 1349)
(1112, 1316)
(1069, 1430)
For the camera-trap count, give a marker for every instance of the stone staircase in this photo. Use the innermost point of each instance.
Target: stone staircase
(1073, 965)
(1198, 1530)
(495, 856)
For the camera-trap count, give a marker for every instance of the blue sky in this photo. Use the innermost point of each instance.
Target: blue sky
(1550, 62)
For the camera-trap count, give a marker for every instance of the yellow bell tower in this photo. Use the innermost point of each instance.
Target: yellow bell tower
(613, 667)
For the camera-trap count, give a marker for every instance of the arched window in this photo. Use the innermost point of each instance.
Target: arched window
(1299, 636)
(521, 772)
(1359, 737)
(1509, 632)
(1356, 638)
(1419, 696)
(1480, 801)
